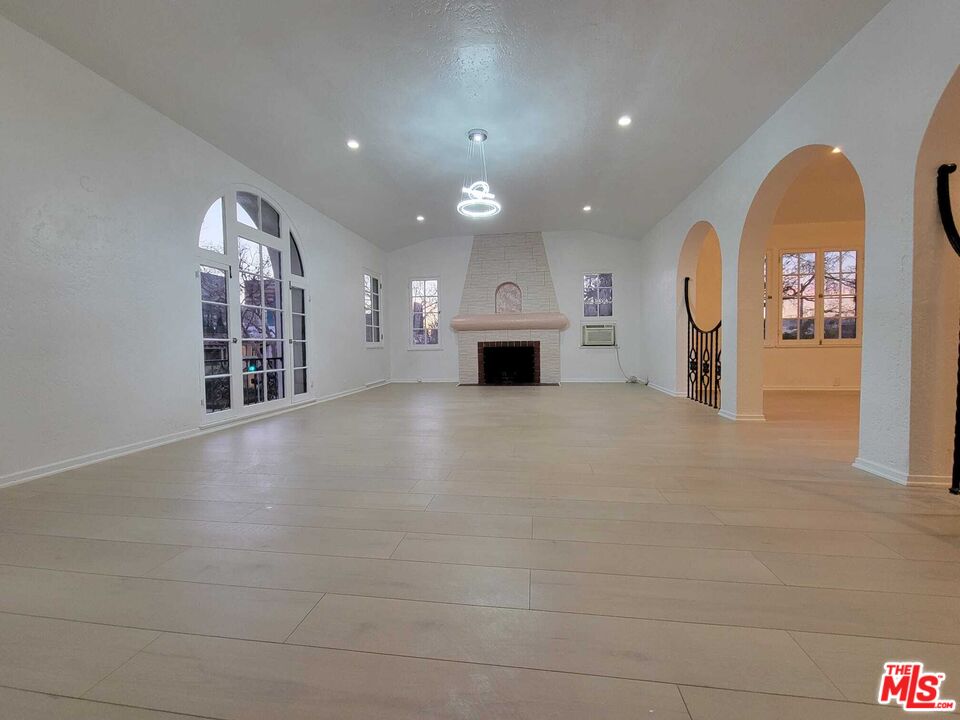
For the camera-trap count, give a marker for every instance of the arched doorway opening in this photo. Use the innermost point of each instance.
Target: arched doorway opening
(700, 261)
(936, 301)
(800, 292)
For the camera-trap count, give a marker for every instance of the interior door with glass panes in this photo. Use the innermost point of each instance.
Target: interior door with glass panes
(299, 301)
(246, 368)
(215, 299)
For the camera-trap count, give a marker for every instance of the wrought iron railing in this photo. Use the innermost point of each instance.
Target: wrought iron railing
(703, 357)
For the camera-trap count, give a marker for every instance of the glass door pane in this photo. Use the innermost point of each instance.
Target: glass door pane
(214, 310)
(298, 341)
(261, 322)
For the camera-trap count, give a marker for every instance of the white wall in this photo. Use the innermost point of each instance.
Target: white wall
(102, 201)
(874, 98)
(570, 255)
(444, 258)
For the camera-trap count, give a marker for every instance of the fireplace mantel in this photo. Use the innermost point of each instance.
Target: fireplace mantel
(511, 321)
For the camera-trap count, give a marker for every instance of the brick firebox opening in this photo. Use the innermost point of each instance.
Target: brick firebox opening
(508, 362)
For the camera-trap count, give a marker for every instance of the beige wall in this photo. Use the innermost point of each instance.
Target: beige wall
(809, 367)
(709, 279)
(936, 299)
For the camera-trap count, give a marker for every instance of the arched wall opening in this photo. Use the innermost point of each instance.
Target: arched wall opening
(936, 300)
(700, 260)
(800, 281)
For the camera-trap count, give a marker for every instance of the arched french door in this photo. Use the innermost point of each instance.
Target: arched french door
(254, 308)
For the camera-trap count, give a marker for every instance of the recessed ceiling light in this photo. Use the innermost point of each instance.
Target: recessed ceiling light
(420, 218)
(587, 208)
(836, 151)
(353, 144)
(624, 121)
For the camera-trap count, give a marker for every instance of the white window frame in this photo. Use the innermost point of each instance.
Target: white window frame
(229, 261)
(297, 284)
(613, 311)
(765, 309)
(363, 289)
(410, 344)
(776, 340)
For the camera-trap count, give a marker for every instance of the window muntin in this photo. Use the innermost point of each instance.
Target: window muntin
(371, 308)
(425, 312)
(598, 295)
(216, 343)
(298, 340)
(819, 297)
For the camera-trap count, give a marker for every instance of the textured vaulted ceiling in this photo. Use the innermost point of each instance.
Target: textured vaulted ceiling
(281, 84)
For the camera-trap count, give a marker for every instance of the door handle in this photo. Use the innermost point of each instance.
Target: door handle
(234, 340)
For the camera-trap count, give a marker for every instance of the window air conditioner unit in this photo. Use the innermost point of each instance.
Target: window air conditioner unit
(598, 335)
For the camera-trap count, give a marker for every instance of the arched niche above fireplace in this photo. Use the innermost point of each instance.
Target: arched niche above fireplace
(509, 299)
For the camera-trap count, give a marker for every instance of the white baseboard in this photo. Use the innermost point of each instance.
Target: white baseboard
(666, 391)
(884, 471)
(742, 417)
(424, 380)
(810, 388)
(593, 380)
(22, 476)
(373, 384)
(899, 476)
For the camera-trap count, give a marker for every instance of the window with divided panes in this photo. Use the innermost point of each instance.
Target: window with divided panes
(371, 309)
(425, 312)
(819, 296)
(598, 295)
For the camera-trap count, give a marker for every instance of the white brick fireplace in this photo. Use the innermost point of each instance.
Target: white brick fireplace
(509, 297)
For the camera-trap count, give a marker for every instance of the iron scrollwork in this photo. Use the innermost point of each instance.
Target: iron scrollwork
(703, 358)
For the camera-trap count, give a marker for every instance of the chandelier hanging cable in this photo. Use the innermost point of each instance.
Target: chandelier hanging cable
(476, 200)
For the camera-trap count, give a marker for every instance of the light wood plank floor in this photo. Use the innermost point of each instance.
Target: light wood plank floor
(428, 551)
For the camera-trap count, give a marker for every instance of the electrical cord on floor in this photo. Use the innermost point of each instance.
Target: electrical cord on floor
(629, 378)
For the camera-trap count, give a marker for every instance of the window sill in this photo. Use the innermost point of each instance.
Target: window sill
(598, 347)
(421, 348)
(810, 345)
(373, 346)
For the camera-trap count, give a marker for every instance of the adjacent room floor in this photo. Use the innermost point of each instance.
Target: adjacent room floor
(429, 551)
